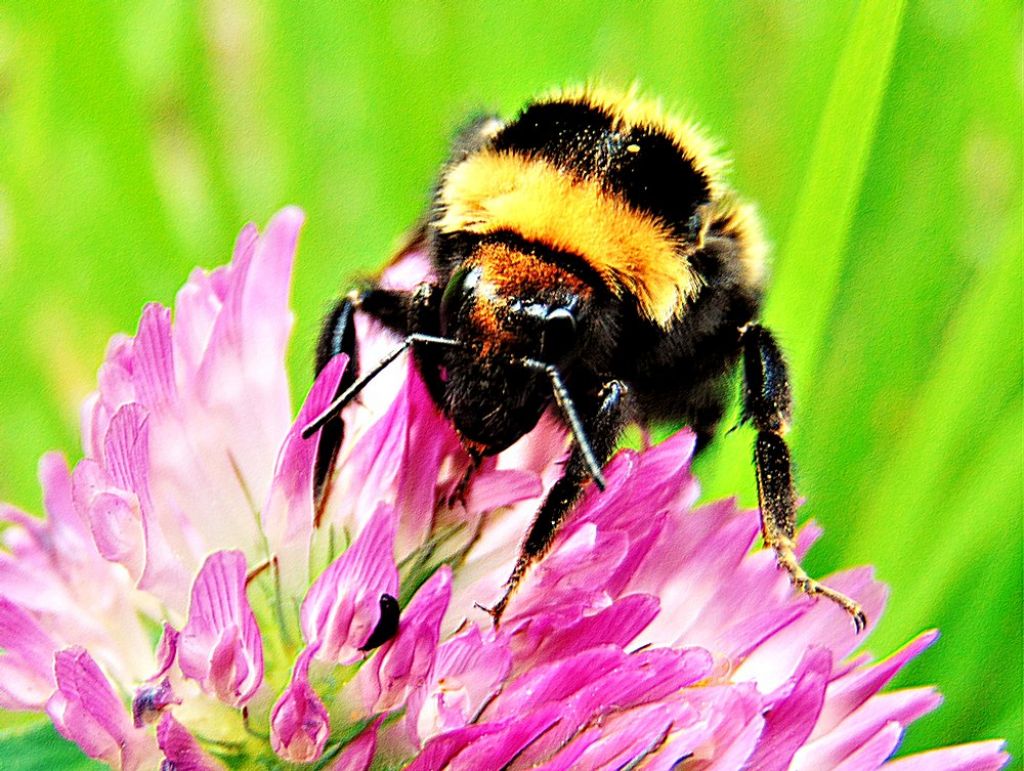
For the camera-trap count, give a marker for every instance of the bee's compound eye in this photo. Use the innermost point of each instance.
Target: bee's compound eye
(459, 286)
(559, 334)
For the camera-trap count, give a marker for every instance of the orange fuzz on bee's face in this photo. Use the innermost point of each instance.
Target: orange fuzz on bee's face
(508, 276)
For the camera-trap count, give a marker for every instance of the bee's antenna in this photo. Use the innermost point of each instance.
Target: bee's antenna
(565, 404)
(342, 400)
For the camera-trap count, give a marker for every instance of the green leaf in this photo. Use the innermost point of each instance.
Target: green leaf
(809, 261)
(42, 747)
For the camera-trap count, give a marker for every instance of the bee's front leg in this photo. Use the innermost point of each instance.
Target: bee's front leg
(337, 336)
(603, 426)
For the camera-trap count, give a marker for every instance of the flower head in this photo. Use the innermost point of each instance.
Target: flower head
(183, 602)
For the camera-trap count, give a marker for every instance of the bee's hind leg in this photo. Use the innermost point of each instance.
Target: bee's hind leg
(767, 404)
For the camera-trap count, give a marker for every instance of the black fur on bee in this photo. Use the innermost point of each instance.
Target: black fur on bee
(589, 260)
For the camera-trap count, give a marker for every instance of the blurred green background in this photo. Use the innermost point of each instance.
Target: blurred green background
(882, 141)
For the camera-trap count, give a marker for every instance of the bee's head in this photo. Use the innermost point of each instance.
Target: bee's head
(512, 311)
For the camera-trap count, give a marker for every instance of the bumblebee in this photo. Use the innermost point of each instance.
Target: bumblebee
(587, 258)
